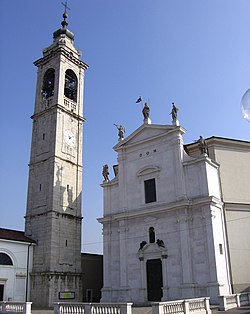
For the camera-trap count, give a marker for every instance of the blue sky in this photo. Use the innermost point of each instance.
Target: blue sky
(193, 52)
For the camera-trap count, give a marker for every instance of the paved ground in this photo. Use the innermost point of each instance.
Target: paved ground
(148, 310)
(241, 310)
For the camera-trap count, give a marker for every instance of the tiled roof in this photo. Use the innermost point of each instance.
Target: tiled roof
(14, 235)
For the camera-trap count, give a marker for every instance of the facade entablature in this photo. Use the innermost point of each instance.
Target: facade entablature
(182, 206)
(201, 159)
(206, 200)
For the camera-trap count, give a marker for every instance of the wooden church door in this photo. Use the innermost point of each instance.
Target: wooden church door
(154, 279)
(1, 292)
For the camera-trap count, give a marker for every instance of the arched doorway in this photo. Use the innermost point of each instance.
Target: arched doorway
(154, 279)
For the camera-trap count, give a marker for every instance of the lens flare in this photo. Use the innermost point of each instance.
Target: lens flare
(245, 105)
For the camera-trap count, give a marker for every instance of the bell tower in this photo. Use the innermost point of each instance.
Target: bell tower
(53, 215)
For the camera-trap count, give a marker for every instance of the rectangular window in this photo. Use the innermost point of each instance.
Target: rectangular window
(221, 248)
(150, 191)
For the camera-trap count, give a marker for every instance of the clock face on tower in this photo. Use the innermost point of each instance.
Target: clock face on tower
(69, 138)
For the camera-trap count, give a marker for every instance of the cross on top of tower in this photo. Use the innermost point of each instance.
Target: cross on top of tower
(63, 30)
(65, 14)
(65, 6)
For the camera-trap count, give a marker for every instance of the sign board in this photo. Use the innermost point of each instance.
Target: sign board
(67, 295)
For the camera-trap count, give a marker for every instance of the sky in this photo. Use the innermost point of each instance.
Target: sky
(195, 53)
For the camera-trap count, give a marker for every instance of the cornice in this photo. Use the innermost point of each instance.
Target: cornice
(54, 108)
(200, 159)
(32, 242)
(61, 51)
(162, 208)
(221, 142)
(52, 158)
(112, 182)
(57, 213)
(237, 206)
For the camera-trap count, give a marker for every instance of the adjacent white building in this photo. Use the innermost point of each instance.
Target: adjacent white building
(163, 221)
(16, 260)
(233, 157)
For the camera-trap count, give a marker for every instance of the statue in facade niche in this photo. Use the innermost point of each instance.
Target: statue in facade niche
(202, 146)
(142, 244)
(121, 131)
(174, 114)
(160, 243)
(146, 111)
(105, 173)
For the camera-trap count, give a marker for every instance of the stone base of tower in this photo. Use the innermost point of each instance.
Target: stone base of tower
(49, 287)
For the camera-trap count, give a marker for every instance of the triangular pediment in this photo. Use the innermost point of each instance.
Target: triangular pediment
(147, 132)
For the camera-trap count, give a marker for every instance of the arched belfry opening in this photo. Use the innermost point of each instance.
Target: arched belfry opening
(48, 83)
(70, 85)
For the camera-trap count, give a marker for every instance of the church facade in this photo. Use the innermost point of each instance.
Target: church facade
(53, 216)
(164, 229)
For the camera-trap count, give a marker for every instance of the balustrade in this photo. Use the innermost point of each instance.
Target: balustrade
(234, 300)
(15, 307)
(69, 104)
(92, 308)
(200, 305)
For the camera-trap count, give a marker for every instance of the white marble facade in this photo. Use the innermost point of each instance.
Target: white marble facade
(180, 228)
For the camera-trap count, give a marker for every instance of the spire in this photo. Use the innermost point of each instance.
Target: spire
(63, 30)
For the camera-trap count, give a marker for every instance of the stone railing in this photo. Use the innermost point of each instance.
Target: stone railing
(234, 300)
(69, 104)
(92, 308)
(200, 305)
(15, 307)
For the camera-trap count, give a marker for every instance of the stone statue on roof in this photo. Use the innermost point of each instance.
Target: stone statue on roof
(202, 146)
(146, 111)
(174, 114)
(105, 173)
(121, 131)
